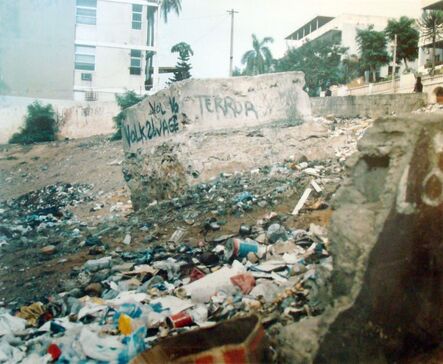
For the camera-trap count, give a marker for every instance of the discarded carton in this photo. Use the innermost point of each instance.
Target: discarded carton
(235, 341)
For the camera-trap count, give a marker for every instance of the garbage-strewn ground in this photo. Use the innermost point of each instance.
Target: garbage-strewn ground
(67, 226)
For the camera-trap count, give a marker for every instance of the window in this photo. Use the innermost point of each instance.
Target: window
(136, 62)
(85, 58)
(86, 12)
(137, 11)
(86, 76)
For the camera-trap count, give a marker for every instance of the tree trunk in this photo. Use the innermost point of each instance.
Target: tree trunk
(434, 36)
(406, 64)
(374, 76)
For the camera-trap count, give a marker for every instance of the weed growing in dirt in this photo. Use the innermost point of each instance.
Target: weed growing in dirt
(41, 125)
(125, 100)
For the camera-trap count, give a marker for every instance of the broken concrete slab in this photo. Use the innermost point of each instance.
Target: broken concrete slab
(198, 105)
(195, 129)
(385, 238)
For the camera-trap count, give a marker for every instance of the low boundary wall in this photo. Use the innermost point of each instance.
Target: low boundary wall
(77, 119)
(367, 106)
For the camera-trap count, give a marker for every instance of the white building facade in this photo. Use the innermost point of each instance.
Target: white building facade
(82, 50)
(115, 48)
(425, 46)
(342, 28)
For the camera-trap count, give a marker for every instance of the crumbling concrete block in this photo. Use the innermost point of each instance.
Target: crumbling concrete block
(196, 129)
(386, 239)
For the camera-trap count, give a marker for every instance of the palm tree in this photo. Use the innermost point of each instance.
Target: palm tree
(183, 67)
(259, 59)
(431, 24)
(168, 5)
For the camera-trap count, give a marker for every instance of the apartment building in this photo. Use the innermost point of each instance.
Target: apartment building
(425, 46)
(78, 49)
(342, 29)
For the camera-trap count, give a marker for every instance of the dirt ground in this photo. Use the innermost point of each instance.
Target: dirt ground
(95, 161)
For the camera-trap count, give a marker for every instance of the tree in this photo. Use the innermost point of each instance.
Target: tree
(259, 59)
(237, 72)
(407, 38)
(183, 67)
(373, 53)
(431, 24)
(170, 5)
(320, 60)
(350, 68)
(128, 99)
(41, 125)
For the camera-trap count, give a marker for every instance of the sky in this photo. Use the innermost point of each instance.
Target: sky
(205, 25)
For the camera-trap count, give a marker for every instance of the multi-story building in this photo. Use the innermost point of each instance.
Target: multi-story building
(342, 28)
(425, 46)
(77, 49)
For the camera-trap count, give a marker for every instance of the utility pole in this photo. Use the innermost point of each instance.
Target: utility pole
(231, 56)
(394, 64)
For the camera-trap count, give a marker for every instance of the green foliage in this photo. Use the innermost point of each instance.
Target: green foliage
(128, 99)
(407, 38)
(183, 67)
(170, 5)
(236, 72)
(40, 125)
(320, 61)
(259, 59)
(373, 53)
(431, 25)
(350, 68)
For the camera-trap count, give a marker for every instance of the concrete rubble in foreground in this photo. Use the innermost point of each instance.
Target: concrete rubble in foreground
(385, 233)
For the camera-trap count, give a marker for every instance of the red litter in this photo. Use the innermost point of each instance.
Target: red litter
(54, 351)
(196, 274)
(245, 281)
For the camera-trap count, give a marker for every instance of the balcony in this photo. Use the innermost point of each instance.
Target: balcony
(432, 4)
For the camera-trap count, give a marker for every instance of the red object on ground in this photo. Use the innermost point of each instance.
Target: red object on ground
(245, 281)
(196, 274)
(180, 319)
(54, 351)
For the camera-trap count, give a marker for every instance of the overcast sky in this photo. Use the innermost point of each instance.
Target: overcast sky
(205, 25)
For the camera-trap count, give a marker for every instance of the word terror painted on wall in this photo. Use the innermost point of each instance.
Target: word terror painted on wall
(158, 124)
(226, 106)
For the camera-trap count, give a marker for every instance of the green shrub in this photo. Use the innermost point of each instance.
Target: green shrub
(41, 125)
(128, 99)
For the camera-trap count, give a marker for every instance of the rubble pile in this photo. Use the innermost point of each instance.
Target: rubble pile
(43, 208)
(431, 108)
(138, 298)
(231, 247)
(385, 238)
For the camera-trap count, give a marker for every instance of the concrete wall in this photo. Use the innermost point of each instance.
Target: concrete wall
(78, 119)
(212, 104)
(372, 106)
(197, 129)
(37, 48)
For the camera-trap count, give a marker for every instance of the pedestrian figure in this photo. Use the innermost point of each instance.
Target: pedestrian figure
(418, 88)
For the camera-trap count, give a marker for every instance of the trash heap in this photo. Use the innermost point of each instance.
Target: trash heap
(139, 298)
(43, 208)
(181, 265)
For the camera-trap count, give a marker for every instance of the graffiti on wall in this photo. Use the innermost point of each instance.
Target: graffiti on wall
(158, 123)
(226, 106)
